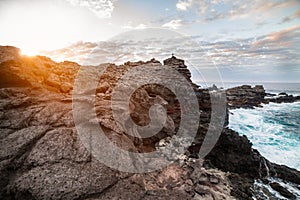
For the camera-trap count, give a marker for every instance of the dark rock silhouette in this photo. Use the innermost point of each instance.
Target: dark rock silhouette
(246, 96)
(283, 191)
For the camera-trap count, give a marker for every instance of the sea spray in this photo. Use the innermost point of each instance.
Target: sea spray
(274, 131)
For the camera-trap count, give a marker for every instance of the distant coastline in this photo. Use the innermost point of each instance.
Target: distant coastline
(270, 87)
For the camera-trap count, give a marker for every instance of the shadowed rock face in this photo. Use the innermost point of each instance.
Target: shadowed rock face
(42, 156)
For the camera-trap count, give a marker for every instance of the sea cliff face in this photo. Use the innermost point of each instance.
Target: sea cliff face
(42, 156)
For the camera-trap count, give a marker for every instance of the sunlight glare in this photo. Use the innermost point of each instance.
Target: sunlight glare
(44, 26)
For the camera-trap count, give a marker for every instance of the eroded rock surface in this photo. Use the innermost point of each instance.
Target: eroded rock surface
(42, 156)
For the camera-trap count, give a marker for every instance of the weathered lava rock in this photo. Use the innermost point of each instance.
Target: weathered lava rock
(42, 156)
(282, 190)
(245, 96)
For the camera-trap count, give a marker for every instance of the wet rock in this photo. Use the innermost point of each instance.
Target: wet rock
(284, 99)
(241, 186)
(283, 94)
(286, 173)
(234, 153)
(283, 191)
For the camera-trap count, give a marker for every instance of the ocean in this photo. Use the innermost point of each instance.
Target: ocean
(274, 129)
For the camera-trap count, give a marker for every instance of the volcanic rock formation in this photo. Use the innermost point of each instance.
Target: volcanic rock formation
(42, 156)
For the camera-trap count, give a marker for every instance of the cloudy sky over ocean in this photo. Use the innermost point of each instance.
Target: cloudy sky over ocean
(248, 40)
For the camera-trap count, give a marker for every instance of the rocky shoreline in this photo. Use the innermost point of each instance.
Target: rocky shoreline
(43, 158)
(246, 96)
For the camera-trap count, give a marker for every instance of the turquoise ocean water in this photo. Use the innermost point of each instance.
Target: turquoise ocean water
(274, 129)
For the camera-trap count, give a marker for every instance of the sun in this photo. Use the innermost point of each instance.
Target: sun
(29, 52)
(43, 26)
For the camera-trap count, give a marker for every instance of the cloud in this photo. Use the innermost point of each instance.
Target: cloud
(279, 38)
(184, 5)
(173, 24)
(276, 50)
(102, 8)
(291, 17)
(76, 52)
(140, 26)
(231, 9)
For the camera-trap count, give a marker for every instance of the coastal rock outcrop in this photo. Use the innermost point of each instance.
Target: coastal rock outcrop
(42, 156)
(179, 65)
(246, 96)
(281, 98)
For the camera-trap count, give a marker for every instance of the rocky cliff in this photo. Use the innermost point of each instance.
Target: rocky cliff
(42, 156)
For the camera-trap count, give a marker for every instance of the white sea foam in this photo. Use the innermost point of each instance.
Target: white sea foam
(274, 131)
(260, 189)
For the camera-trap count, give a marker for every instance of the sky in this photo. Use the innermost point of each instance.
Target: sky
(246, 40)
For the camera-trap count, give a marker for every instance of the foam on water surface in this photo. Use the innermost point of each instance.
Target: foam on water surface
(265, 191)
(274, 131)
